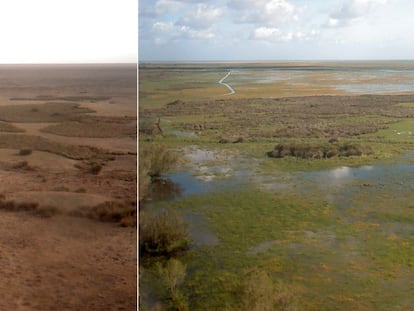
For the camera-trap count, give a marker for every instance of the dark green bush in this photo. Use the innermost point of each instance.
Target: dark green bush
(162, 234)
(318, 151)
(160, 159)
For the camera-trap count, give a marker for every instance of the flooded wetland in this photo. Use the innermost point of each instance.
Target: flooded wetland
(303, 176)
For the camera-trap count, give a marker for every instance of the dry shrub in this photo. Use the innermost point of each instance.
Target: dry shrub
(46, 211)
(32, 207)
(95, 168)
(22, 165)
(80, 190)
(25, 152)
(125, 213)
(162, 234)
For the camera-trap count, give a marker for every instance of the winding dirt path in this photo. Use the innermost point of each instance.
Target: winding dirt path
(232, 91)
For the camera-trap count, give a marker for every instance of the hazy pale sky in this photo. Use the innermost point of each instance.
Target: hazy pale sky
(275, 29)
(73, 31)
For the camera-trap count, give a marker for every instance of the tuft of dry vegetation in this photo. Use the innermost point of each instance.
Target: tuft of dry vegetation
(65, 98)
(32, 207)
(124, 213)
(15, 141)
(21, 165)
(99, 127)
(9, 128)
(48, 112)
(25, 152)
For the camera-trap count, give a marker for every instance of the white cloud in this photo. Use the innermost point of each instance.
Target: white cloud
(196, 34)
(267, 12)
(167, 6)
(353, 10)
(275, 34)
(203, 17)
(166, 32)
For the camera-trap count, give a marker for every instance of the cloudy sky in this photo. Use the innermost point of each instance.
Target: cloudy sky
(68, 31)
(275, 29)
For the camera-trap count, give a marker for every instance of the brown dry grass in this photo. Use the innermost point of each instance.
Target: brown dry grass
(31, 207)
(9, 128)
(95, 127)
(48, 112)
(15, 141)
(122, 212)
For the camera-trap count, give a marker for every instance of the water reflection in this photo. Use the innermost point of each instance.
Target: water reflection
(164, 190)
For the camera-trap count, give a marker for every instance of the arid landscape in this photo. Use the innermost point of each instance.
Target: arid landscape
(68, 151)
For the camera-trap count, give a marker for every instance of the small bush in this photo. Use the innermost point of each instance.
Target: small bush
(318, 151)
(159, 157)
(172, 275)
(22, 165)
(95, 168)
(32, 207)
(224, 141)
(162, 234)
(124, 213)
(25, 152)
(80, 190)
(261, 294)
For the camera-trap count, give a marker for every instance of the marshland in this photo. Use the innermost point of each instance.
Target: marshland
(297, 187)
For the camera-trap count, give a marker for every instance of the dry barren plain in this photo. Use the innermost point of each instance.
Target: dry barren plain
(68, 187)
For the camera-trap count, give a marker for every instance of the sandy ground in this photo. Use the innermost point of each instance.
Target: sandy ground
(65, 262)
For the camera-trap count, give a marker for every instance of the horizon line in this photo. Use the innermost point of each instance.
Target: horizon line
(73, 63)
(275, 60)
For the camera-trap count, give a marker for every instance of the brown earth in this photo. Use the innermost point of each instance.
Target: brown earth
(67, 262)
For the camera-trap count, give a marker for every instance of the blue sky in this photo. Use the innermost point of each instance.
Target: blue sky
(232, 30)
(68, 31)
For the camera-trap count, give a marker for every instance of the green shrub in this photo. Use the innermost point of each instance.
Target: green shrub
(159, 157)
(171, 276)
(144, 179)
(162, 234)
(318, 151)
(260, 293)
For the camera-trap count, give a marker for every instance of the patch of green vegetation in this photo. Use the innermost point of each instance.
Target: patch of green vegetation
(406, 105)
(159, 87)
(326, 259)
